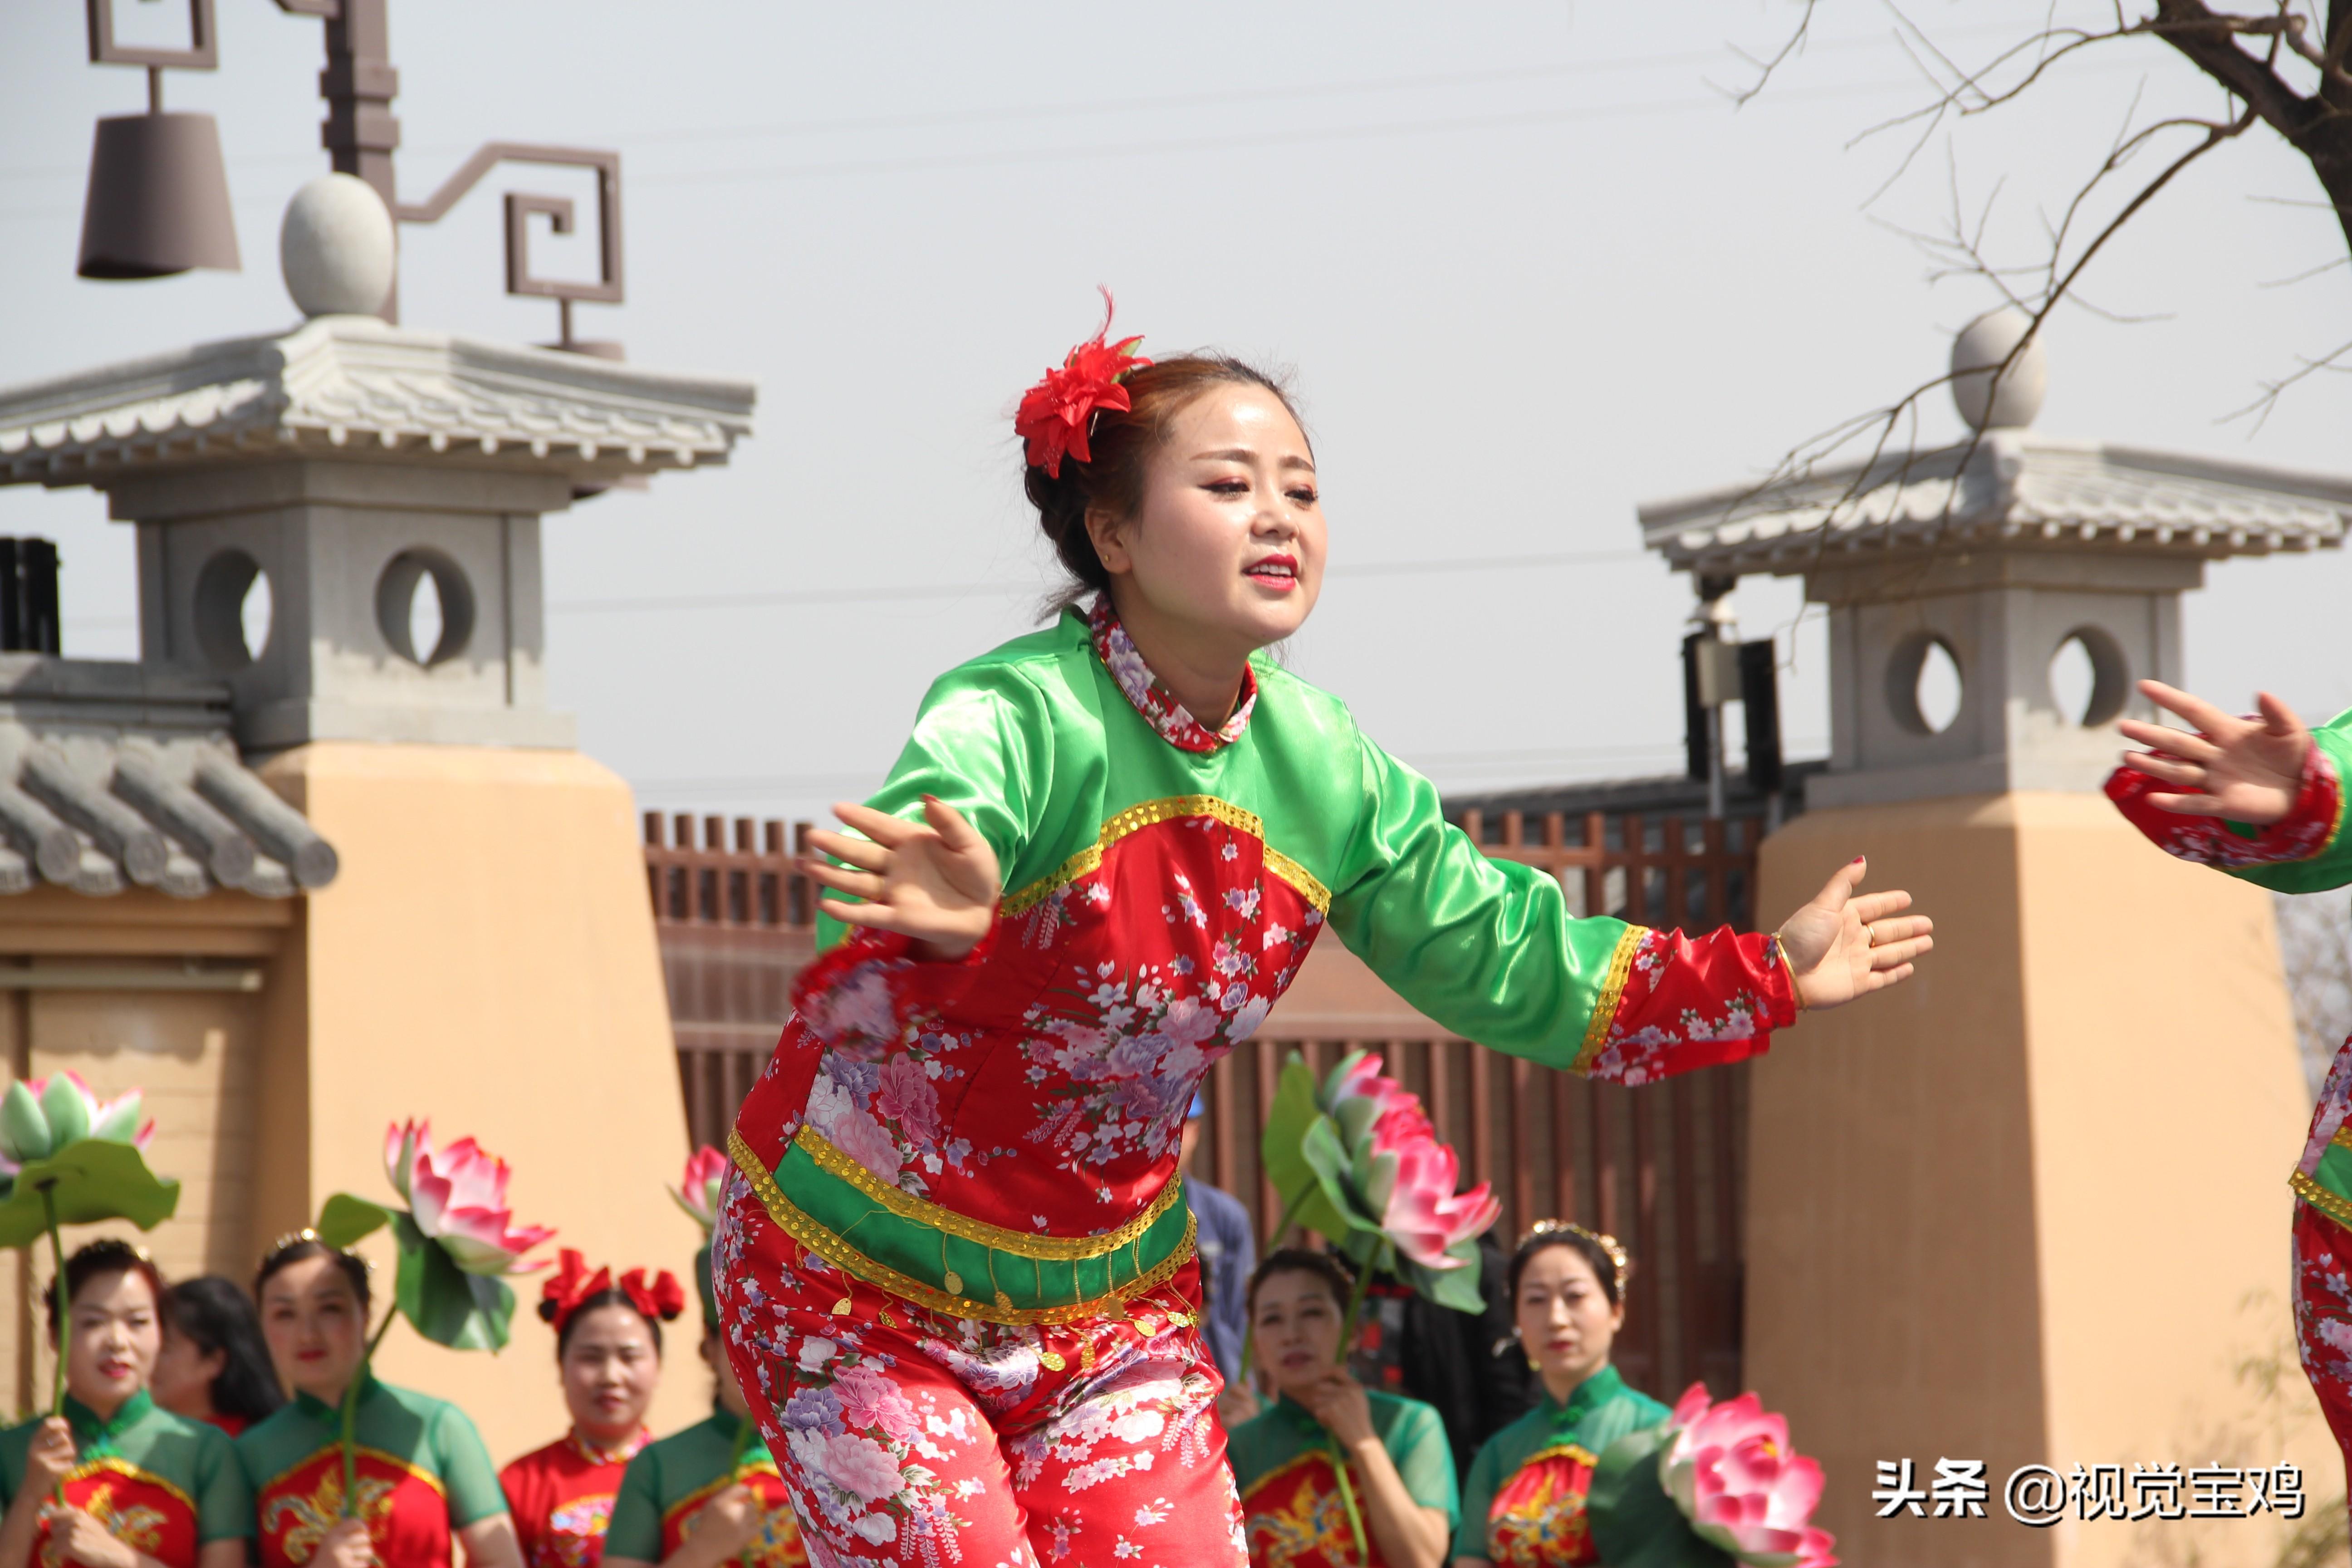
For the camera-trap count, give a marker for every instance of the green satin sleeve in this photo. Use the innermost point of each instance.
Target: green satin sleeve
(2332, 866)
(983, 743)
(1485, 947)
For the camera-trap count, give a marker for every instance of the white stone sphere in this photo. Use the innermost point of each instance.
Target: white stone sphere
(1982, 344)
(336, 248)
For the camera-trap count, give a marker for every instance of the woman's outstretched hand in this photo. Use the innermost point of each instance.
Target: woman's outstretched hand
(934, 880)
(2248, 770)
(1841, 946)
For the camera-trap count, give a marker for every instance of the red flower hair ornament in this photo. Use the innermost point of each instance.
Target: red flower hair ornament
(572, 1287)
(1056, 414)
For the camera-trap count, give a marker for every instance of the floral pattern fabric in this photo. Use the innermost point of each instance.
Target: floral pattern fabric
(2310, 824)
(562, 1499)
(1156, 702)
(907, 1437)
(2322, 1257)
(1692, 1001)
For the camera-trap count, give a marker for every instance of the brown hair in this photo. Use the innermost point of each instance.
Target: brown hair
(1335, 1276)
(97, 1260)
(1121, 444)
(303, 1244)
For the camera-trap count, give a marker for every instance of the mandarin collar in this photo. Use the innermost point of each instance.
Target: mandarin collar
(318, 1409)
(619, 1453)
(87, 1426)
(1587, 1396)
(1158, 705)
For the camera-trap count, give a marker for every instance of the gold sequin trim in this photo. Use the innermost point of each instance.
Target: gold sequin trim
(1612, 992)
(2343, 1139)
(2320, 1199)
(809, 1233)
(1150, 814)
(906, 1206)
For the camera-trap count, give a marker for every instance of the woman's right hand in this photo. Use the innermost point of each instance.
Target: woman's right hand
(50, 1458)
(934, 880)
(729, 1521)
(345, 1545)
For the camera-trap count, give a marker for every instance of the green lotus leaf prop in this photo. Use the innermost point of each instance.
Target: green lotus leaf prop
(1635, 1523)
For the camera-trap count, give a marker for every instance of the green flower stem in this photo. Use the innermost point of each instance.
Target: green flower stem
(57, 1314)
(351, 1415)
(1339, 1459)
(58, 1285)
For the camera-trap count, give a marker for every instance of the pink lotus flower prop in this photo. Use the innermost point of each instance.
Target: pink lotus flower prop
(41, 1116)
(1408, 1177)
(1710, 1483)
(1733, 1473)
(459, 1198)
(698, 1190)
(1357, 1159)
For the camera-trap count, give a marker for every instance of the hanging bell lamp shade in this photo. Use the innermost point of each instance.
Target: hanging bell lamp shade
(158, 201)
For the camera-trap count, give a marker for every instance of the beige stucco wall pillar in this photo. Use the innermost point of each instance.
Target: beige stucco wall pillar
(2033, 1206)
(487, 959)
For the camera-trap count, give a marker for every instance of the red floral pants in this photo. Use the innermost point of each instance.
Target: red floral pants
(2322, 1318)
(907, 1437)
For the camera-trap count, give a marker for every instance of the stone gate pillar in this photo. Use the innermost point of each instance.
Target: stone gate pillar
(487, 957)
(2031, 1208)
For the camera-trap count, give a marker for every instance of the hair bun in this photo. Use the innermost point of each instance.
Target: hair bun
(547, 1310)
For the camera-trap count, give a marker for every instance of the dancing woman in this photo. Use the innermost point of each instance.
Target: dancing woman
(956, 1274)
(2262, 799)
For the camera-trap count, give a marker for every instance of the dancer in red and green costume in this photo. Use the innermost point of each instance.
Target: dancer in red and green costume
(140, 1484)
(1400, 1466)
(707, 1496)
(608, 1348)
(1523, 1501)
(956, 1271)
(2262, 799)
(424, 1478)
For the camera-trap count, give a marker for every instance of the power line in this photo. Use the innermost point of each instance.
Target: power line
(1006, 587)
(1008, 113)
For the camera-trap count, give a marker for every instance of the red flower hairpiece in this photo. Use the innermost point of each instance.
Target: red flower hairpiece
(1056, 414)
(572, 1287)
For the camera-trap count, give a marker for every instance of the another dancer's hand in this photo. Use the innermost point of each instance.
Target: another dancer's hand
(934, 880)
(1842, 946)
(2248, 770)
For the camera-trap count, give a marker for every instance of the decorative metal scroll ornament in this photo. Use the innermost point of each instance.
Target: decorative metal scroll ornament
(557, 210)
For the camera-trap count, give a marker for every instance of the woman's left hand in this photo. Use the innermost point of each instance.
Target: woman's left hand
(1842, 946)
(80, 1538)
(1340, 1403)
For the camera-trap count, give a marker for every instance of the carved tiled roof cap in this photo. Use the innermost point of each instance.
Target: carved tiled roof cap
(115, 776)
(2013, 488)
(354, 385)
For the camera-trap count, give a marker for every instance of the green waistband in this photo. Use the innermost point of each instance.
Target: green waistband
(948, 1263)
(2329, 1188)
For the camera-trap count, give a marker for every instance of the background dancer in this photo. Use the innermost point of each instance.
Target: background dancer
(2262, 799)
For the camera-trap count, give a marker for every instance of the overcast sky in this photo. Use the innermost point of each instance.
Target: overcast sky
(1527, 264)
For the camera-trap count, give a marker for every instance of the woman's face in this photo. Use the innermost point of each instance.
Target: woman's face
(113, 1333)
(610, 1370)
(1565, 1320)
(1296, 1319)
(182, 1382)
(311, 1319)
(1228, 539)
